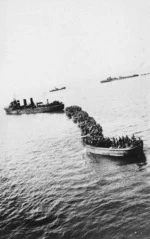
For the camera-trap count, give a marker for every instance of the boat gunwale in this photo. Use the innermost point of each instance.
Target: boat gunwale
(113, 149)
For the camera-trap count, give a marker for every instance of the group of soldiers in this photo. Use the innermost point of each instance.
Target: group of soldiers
(92, 133)
(126, 142)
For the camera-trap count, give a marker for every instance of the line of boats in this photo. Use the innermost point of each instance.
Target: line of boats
(94, 140)
(91, 132)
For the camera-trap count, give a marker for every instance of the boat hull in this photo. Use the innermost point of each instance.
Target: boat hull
(41, 109)
(121, 152)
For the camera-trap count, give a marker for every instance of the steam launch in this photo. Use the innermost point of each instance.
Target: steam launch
(15, 108)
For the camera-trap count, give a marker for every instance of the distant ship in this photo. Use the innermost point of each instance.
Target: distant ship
(119, 78)
(108, 80)
(56, 89)
(16, 109)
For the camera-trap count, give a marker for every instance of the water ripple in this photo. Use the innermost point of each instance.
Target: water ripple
(50, 187)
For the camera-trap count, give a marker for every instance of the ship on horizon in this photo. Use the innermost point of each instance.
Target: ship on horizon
(118, 78)
(56, 89)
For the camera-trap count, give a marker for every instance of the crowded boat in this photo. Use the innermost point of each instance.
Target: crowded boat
(92, 132)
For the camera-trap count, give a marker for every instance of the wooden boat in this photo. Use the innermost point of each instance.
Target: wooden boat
(115, 152)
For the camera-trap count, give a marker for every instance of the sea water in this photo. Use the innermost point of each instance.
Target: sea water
(51, 188)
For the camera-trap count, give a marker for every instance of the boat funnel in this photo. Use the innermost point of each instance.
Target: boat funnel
(31, 101)
(25, 102)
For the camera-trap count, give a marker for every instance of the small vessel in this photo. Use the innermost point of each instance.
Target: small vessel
(16, 109)
(108, 80)
(118, 78)
(56, 89)
(116, 152)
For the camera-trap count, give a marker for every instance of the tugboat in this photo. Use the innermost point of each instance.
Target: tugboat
(16, 109)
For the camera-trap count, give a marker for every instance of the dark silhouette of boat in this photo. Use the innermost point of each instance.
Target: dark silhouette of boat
(145, 74)
(16, 109)
(108, 79)
(56, 89)
(118, 78)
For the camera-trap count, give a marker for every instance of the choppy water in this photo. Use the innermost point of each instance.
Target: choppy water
(50, 187)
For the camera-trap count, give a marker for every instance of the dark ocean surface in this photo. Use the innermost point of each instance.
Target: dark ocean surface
(51, 188)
